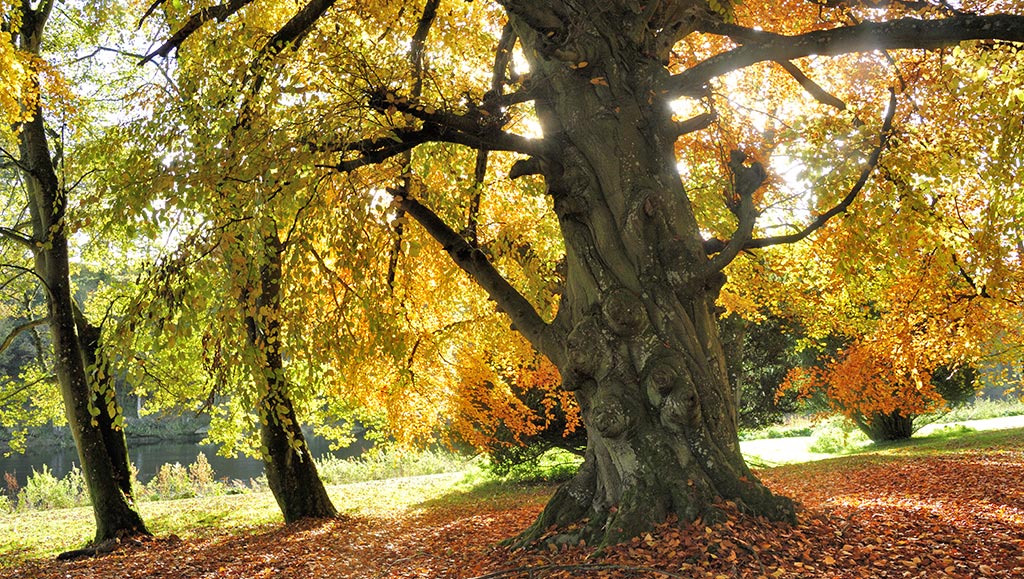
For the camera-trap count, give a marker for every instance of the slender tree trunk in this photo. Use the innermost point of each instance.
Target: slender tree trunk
(291, 472)
(104, 398)
(100, 445)
(643, 352)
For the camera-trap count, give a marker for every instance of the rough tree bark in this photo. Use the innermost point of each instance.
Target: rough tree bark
(291, 472)
(104, 398)
(886, 427)
(100, 444)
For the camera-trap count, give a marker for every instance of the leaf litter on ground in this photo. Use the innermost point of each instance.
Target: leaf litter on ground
(956, 515)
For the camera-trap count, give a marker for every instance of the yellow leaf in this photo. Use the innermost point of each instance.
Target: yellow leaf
(599, 80)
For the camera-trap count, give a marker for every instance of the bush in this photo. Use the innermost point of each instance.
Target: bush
(201, 474)
(171, 482)
(42, 490)
(379, 465)
(837, 436)
(198, 479)
(552, 466)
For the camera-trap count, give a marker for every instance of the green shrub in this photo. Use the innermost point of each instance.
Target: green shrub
(171, 482)
(777, 431)
(42, 490)
(554, 465)
(379, 465)
(837, 436)
(984, 408)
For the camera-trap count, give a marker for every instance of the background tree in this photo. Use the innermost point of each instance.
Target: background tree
(628, 96)
(42, 230)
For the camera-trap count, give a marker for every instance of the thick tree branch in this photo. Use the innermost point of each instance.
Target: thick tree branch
(909, 4)
(812, 88)
(745, 181)
(377, 150)
(717, 245)
(289, 35)
(17, 237)
(419, 43)
(544, 17)
(475, 263)
(502, 57)
(219, 13)
(417, 48)
(694, 124)
(907, 33)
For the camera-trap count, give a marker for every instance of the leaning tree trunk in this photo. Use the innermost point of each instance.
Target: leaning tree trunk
(291, 472)
(104, 465)
(643, 353)
(104, 398)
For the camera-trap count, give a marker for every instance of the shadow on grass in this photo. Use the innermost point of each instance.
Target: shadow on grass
(477, 490)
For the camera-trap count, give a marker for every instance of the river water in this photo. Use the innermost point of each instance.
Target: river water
(148, 458)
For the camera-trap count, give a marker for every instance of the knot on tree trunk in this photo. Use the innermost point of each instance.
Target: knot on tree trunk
(587, 350)
(624, 312)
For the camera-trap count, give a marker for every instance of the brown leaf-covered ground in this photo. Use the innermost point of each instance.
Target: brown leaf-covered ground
(958, 514)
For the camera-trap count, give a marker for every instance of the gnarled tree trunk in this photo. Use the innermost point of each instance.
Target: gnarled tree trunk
(291, 472)
(885, 427)
(642, 352)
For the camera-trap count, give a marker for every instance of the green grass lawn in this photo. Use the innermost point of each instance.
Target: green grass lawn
(36, 534)
(768, 452)
(43, 534)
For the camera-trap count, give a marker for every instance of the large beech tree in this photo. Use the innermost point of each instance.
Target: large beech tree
(651, 207)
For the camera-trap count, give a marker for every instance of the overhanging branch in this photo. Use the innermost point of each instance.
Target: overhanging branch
(812, 88)
(373, 151)
(289, 35)
(473, 261)
(716, 245)
(904, 33)
(17, 237)
(219, 13)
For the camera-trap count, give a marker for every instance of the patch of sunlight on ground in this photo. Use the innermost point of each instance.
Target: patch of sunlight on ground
(779, 451)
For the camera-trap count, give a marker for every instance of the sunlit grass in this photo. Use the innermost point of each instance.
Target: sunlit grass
(44, 534)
